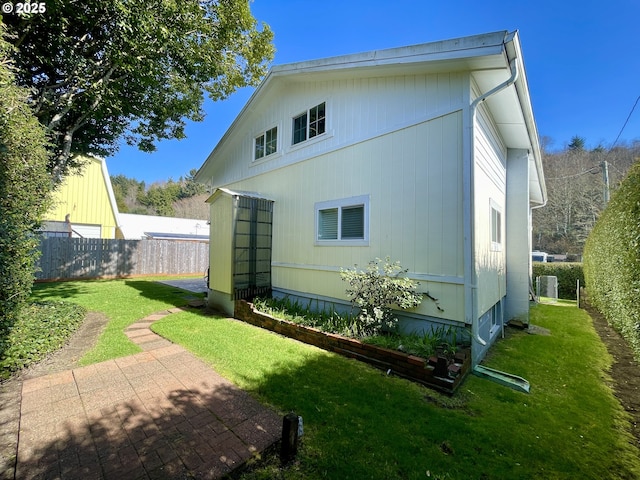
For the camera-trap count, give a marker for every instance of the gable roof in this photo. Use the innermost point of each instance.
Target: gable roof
(488, 56)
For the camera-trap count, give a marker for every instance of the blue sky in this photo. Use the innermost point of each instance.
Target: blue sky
(582, 60)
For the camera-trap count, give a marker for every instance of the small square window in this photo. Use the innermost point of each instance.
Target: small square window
(266, 143)
(310, 124)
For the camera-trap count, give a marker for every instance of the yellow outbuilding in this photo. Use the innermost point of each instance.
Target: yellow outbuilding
(84, 205)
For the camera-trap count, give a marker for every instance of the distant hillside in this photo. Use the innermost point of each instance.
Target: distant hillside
(576, 190)
(184, 198)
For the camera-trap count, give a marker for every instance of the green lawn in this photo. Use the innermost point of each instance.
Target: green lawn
(361, 424)
(123, 301)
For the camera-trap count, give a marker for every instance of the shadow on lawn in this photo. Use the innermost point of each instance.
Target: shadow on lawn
(161, 292)
(45, 290)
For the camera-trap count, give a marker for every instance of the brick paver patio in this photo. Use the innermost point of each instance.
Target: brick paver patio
(159, 414)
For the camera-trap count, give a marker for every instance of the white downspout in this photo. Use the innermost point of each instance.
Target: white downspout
(470, 240)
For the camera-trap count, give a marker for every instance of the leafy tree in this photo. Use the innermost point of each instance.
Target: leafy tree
(184, 198)
(575, 194)
(106, 69)
(189, 187)
(126, 190)
(159, 198)
(24, 193)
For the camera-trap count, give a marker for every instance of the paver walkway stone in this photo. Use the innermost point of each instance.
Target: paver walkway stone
(159, 414)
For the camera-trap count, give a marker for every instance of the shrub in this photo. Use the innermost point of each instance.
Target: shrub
(567, 273)
(24, 194)
(376, 291)
(612, 260)
(40, 330)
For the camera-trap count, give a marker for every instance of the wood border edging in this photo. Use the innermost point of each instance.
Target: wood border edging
(404, 365)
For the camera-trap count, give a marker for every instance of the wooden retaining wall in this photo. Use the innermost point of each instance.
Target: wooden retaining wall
(417, 369)
(71, 258)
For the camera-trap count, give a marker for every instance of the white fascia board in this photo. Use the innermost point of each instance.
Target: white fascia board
(458, 48)
(201, 175)
(538, 190)
(110, 194)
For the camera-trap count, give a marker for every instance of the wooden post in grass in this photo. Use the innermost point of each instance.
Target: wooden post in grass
(289, 447)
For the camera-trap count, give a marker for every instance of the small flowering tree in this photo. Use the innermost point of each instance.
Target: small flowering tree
(376, 291)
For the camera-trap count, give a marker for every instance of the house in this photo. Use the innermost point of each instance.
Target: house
(84, 205)
(137, 227)
(427, 154)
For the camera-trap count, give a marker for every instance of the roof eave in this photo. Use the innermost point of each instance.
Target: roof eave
(538, 191)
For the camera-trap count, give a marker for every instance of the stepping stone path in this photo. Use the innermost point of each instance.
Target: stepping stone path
(159, 414)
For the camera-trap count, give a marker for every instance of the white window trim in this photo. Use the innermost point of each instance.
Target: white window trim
(318, 137)
(493, 206)
(339, 204)
(278, 144)
(309, 142)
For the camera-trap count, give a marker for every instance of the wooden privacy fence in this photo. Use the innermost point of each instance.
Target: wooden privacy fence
(67, 258)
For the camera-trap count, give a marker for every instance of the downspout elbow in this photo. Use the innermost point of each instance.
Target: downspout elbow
(513, 65)
(476, 334)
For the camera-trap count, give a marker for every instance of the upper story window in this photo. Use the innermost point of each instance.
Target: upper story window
(266, 143)
(310, 124)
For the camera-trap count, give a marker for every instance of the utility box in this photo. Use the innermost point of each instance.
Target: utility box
(547, 289)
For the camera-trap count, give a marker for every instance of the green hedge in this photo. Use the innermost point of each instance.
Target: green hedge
(567, 273)
(24, 192)
(612, 260)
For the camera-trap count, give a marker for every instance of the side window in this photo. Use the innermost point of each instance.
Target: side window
(309, 124)
(343, 222)
(265, 144)
(496, 227)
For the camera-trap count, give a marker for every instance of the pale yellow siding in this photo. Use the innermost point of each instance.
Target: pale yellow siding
(412, 177)
(490, 192)
(85, 198)
(221, 244)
